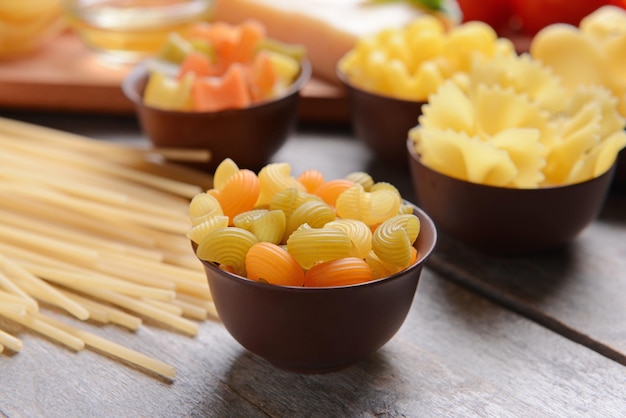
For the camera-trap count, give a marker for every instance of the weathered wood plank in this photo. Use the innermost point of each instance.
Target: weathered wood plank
(578, 291)
(456, 355)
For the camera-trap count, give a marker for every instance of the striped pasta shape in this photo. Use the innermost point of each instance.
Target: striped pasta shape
(381, 205)
(359, 233)
(223, 172)
(348, 204)
(379, 268)
(330, 190)
(227, 247)
(314, 213)
(383, 185)
(203, 206)
(267, 225)
(340, 272)
(311, 179)
(239, 194)
(363, 178)
(289, 199)
(272, 264)
(313, 245)
(393, 239)
(198, 232)
(274, 178)
(369, 207)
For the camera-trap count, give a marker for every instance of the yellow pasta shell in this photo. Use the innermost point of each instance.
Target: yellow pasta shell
(393, 239)
(380, 205)
(379, 268)
(289, 199)
(270, 227)
(315, 213)
(228, 247)
(274, 178)
(359, 232)
(200, 231)
(202, 207)
(267, 225)
(313, 245)
(224, 171)
(362, 178)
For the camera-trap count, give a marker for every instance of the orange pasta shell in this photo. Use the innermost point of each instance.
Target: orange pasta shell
(271, 263)
(339, 272)
(330, 191)
(239, 194)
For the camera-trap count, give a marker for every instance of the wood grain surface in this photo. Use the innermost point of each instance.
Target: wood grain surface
(479, 341)
(67, 76)
(578, 291)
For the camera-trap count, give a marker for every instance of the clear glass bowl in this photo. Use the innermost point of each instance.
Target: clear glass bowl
(130, 30)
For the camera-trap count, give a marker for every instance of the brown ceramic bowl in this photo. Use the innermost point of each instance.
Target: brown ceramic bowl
(249, 136)
(381, 122)
(507, 221)
(316, 330)
(620, 171)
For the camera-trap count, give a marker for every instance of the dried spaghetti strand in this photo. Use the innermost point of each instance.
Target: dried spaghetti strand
(113, 349)
(9, 341)
(54, 333)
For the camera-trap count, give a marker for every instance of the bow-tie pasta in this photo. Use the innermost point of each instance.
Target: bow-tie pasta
(513, 124)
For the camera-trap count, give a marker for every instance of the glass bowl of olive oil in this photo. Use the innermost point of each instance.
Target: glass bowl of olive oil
(127, 31)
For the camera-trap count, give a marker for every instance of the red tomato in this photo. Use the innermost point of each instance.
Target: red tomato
(496, 13)
(536, 14)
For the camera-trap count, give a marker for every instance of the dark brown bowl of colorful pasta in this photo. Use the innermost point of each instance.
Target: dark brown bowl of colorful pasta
(299, 282)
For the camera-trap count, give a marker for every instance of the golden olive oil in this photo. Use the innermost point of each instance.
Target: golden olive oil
(129, 30)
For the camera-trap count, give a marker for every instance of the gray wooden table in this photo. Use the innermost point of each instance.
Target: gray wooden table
(541, 336)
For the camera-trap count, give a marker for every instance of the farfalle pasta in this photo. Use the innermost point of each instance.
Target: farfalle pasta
(513, 124)
(326, 228)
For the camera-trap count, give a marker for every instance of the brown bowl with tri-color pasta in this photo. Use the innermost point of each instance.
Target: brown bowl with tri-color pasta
(298, 277)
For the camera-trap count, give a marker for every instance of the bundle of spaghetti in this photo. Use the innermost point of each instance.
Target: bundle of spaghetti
(96, 230)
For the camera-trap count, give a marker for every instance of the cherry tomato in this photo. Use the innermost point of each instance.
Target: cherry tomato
(495, 13)
(536, 14)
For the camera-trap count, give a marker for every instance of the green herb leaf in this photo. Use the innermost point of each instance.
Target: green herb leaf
(430, 4)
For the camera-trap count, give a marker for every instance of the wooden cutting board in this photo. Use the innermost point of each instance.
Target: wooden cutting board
(67, 76)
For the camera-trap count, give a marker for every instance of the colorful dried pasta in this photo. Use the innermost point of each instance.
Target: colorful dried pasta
(327, 233)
